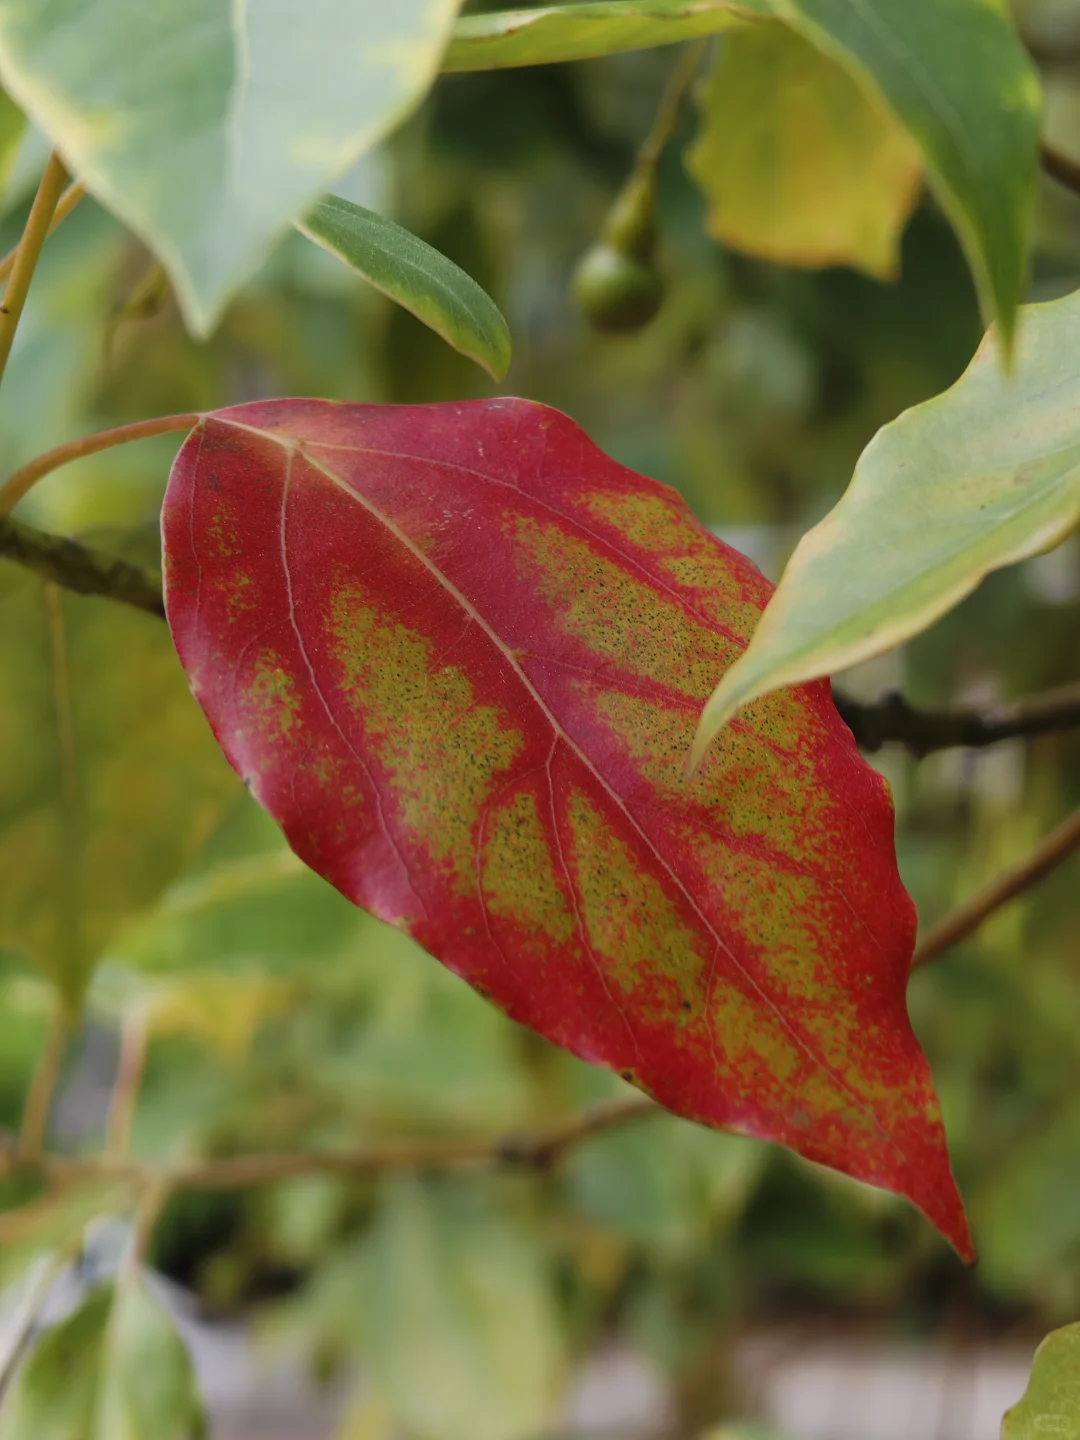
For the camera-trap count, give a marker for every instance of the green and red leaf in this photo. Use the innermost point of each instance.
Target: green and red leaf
(459, 653)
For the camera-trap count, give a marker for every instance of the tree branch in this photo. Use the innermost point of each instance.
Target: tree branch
(892, 718)
(78, 567)
(529, 1150)
(1047, 856)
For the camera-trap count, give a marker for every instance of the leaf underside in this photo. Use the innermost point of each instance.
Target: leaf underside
(207, 126)
(458, 654)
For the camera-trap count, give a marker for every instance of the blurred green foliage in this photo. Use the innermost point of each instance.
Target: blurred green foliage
(282, 1019)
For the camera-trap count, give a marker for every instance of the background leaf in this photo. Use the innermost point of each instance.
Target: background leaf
(982, 476)
(486, 749)
(118, 781)
(446, 1275)
(798, 162)
(1051, 1403)
(416, 276)
(206, 128)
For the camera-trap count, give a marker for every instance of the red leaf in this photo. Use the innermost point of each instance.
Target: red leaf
(458, 654)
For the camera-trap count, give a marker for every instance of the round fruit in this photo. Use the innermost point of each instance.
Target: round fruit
(615, 291)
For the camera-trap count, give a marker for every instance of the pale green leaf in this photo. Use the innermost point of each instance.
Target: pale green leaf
(798, 161)
(118, 780)
(415, 276)
(1051, 1402)
(584, 31)
(980, 477)
(955, 75)
(115, 1369)
(207, 126)
(448, 1278)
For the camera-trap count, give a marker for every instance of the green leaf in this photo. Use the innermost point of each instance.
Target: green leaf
(952, 72)
(118, 779)
(415, 276)
(208, 126)
(584, 31)
(980, 477)
(955, 75)
(115, 1369)
(799, 163)
(450, 1279)
(1051, 1402)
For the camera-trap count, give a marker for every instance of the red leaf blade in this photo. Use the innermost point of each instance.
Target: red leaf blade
(458, 653)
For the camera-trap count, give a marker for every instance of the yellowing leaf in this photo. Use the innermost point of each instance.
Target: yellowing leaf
(799, 162)
(980, 477)
(222, 1011)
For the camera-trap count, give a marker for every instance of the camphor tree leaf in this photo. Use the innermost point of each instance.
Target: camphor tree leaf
(1051, 1403)
(555, 33)
(445, 1275)
(952, 72)
(416, 276)
(799, 161)
(115, 1369)
(955, 75)
(207, 126)
(981, 476)
(458, 653)
(118, 782)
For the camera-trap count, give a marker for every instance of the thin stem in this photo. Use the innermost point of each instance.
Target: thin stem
(1047, 856)
(537, 1150)
(43, 1085)
(125, 1091)
(23, 479)
(667, 113)
(29, 249)
(64, 206)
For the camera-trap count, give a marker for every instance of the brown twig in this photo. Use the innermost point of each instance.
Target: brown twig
(966, 919)
(537, 1150)
(23, 479)
(79, 567)
(892, 718)
(64, 206)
